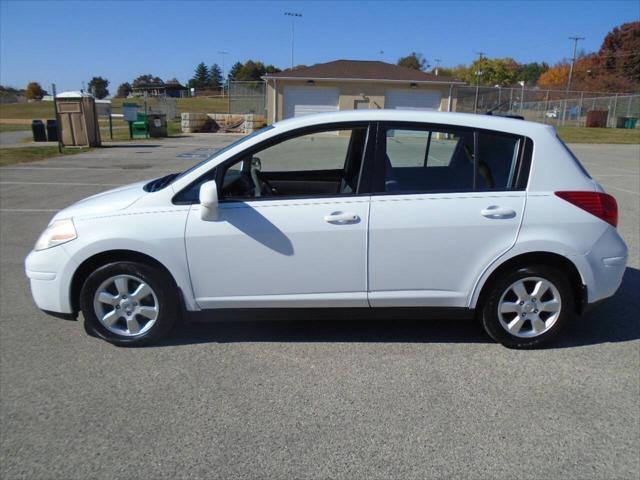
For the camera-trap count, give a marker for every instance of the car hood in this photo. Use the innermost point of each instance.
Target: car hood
(105, 202)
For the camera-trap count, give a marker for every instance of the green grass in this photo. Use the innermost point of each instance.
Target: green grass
(14, 127)
(44, 110)
(195, 104)
(34, 110)
(599, 135)
(10, 156)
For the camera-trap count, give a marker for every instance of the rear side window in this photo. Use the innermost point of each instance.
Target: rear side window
(497, 158)
(448, 160)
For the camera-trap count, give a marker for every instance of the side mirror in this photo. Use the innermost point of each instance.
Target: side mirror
(209, 201)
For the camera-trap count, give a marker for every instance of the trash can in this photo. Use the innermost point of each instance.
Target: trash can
(620, 122)
(39, 133)
(140, 128)
(630, 122)
(52, 130)
(157, 123)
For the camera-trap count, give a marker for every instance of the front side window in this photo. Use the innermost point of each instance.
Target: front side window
(448, 160)
(325, 163)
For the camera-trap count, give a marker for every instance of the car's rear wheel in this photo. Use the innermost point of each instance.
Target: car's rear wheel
(527, 308)
(129, 303)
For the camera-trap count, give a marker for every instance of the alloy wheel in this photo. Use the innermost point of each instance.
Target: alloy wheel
(529, 307)
(126, 305)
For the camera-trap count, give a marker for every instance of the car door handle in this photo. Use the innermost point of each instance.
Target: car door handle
(495, 211)
(341, 218)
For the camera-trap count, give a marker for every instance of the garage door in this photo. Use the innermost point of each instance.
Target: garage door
(300, 101)
(412, 100)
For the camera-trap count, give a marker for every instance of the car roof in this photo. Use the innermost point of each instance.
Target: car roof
(489, 122)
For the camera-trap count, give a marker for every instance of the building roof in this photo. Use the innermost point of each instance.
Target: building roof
(73, 94)
(360, 70)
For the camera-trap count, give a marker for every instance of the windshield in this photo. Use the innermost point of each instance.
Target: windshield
(222, 150)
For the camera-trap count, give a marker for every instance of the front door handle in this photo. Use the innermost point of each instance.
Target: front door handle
(341, 218)
(496, 211)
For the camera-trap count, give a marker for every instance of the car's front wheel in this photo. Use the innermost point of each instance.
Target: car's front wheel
(129, 303)
(528, 307)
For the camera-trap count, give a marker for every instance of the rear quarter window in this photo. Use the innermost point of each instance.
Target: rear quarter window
(575, 159)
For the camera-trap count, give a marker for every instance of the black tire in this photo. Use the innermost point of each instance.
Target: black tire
(491, 319)
(162, 286)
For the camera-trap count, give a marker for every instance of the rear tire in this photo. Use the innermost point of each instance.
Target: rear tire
(129, 303)
(527, 308)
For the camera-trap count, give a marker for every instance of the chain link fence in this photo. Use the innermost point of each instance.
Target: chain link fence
(247, 97)
(555, 107)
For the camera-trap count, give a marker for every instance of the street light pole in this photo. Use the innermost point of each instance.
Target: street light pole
(478, 73)
(224, 80)
(293, 16)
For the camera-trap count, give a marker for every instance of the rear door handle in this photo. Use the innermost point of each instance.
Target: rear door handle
(496, 211)
(341, 218)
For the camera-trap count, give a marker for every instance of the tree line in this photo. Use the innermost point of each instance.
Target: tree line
(614, 68)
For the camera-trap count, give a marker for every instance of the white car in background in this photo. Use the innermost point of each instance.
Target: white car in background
(458, 214)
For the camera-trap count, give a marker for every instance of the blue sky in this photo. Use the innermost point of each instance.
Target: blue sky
(69, 42)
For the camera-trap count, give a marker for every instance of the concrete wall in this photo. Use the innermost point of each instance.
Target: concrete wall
(350, 92)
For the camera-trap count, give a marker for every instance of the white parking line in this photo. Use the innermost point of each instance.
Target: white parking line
(29, 210)
(65, 184)
(96, 169)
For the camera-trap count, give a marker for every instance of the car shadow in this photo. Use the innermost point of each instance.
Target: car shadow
(615, 320)
(256, 226)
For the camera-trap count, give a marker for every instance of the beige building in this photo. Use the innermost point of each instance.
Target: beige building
(355, 84)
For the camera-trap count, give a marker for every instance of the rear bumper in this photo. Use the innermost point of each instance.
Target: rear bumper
(603, 267)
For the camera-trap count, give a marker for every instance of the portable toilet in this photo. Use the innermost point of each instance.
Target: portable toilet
(78, 119)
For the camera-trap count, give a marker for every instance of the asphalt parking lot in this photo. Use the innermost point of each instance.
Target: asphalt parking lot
(295, 397)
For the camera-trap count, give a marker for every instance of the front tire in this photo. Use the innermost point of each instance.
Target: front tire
(129, 303)
(527, 308)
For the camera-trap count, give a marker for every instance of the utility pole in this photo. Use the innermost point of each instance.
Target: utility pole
(573, 61)
(477, 72)
(293, 16)
(437, 60)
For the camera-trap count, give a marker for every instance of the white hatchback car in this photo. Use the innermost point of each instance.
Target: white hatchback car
(458, 214)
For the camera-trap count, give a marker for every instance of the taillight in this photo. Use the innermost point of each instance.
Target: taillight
(602, 205)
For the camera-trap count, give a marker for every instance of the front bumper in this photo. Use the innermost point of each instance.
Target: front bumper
(50, 272)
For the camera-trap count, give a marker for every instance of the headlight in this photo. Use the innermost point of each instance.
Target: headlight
(59, 232)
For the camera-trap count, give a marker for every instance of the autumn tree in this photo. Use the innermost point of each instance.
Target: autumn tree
(620, 51)
(34, 91)
(556, 77)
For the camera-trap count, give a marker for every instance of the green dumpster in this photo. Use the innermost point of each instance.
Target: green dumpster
(630, 122)
(140, 127)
